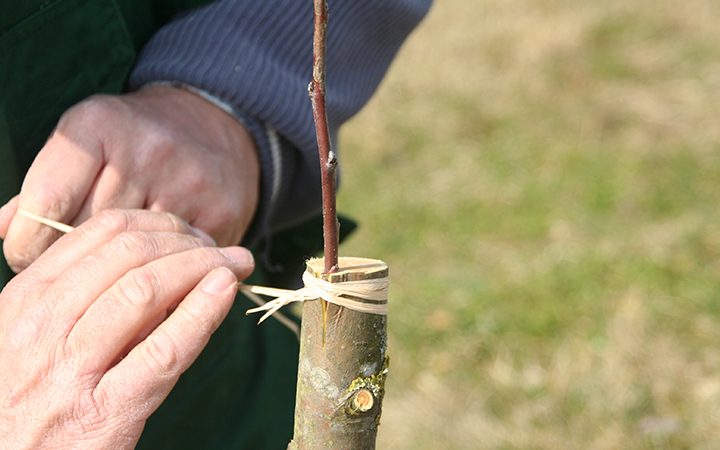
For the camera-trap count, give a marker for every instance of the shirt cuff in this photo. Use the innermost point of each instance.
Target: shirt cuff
(267, 145)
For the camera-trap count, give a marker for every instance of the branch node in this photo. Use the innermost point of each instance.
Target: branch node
(332, 161)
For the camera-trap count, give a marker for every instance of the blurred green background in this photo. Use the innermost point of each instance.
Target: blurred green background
(543, 177)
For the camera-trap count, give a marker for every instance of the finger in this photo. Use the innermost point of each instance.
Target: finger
(100, 230)
(94, 274)
(6, 214)
(142, 297)
(217, 215)
(51, 194)
(152, 368)
(110, 191)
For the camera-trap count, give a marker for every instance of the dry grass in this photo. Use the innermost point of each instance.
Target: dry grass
(542, 176)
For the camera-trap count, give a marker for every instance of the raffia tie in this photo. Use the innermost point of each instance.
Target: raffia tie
(366, 296)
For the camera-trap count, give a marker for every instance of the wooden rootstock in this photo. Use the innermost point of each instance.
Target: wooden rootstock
(341, 385)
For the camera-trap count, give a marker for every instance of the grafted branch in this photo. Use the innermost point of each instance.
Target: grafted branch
(328, 159)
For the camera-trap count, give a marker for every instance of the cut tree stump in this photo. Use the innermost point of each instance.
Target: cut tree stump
(343, 366)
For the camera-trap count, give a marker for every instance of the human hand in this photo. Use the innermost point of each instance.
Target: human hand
(95, 333)
(161, 148)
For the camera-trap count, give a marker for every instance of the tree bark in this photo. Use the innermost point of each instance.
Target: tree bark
(341, 383)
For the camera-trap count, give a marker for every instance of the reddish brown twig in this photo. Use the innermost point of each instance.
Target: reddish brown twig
(328, 159)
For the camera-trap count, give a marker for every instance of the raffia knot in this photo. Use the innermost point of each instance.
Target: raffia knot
(367, 295)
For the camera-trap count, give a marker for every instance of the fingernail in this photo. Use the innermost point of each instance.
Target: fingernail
(238, 255)
(218, 281)
(204, 236)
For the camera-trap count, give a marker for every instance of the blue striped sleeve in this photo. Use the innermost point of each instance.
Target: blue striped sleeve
(257, 57)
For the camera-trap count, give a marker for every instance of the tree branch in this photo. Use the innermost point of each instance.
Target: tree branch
(328, 159)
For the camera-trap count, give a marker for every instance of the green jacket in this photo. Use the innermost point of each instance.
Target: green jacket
(54, 53)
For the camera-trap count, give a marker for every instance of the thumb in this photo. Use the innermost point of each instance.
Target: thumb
(55, 187)
(7, 212)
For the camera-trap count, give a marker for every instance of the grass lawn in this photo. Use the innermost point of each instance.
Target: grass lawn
(543, 177)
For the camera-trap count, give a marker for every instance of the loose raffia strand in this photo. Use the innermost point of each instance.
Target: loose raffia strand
(328, 159)
(48, 222)
(280, 317)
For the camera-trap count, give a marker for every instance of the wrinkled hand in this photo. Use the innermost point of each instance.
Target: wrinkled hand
(161, 148)
(96, 332)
